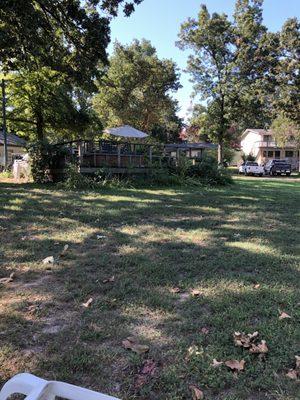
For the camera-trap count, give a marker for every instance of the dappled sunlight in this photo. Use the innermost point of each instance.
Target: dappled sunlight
(255, 248)
(177, 269)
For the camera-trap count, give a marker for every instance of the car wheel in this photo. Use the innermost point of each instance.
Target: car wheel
(260, 174)
(288, 174)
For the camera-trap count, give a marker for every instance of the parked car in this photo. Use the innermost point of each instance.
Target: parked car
(278, 167)
(251, 168)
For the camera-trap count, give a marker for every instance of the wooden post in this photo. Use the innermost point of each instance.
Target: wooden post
(119, 155)
(4, 124)
(177, 156)
(80, 153)
(150, 154)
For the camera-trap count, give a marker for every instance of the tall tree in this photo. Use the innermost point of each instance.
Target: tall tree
(212, 40)
(43, 103)
(136, 88)
(229, 64)
(286, 97)
(69, 36)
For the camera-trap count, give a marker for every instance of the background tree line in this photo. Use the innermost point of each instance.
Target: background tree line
(244, 75)
(62, 84)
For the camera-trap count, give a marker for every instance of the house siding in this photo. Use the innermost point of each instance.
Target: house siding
(11, 151)
(254, 143)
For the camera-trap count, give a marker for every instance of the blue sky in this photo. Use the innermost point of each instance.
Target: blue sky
(159, 21)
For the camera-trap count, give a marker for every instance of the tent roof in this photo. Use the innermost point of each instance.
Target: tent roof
(126, 131)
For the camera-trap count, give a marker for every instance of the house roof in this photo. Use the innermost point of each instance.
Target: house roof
(261, 132)
(188, 146)
(12, 140)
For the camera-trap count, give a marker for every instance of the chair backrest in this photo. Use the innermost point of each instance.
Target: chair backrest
(39, 389)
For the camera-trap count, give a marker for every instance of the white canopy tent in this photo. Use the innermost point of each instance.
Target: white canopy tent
(126, 131)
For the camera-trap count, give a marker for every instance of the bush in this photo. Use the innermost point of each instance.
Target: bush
(43, 156)
(75, 180)
(208, 172)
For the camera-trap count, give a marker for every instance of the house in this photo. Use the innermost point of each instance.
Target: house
(15, 147)
(261, 144)
(191, 150)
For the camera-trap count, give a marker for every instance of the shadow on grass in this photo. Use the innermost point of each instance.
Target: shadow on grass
(221, 241)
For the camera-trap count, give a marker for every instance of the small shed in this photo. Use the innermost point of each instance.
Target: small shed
(15, 147)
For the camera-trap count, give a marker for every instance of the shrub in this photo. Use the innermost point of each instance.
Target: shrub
(75, 180)
(208, 172)
(43, 156)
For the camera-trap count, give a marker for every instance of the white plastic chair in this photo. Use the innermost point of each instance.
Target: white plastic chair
(39, 389)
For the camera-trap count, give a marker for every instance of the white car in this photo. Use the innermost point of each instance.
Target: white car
(251, 168)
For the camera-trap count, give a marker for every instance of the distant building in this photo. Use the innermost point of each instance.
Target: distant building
(261, 144)
(15, 147)
(191, 150)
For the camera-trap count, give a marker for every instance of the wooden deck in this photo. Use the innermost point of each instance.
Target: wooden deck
(118, 157)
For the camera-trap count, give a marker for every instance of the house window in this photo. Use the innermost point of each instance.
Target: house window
(267, 138)
(289, 153)
(277, 154)
(265, 153)
(270, 153)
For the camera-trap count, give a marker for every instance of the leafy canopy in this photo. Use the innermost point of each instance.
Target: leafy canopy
(69, 36)
(230, 65)
(136, 88)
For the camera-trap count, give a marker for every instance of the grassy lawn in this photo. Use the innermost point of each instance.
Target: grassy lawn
(238, 246)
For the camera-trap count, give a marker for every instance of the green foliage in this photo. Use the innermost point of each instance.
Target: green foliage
(43, 156)
(286, 130)
(68, 37)
(229, 65)
(6, 174)
(209, 172)
(286, 97)
(74, 180)
(136, 90)
(247, 157)
(43, 103)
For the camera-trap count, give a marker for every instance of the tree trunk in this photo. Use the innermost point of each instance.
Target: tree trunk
(220, 153)
(40, 125)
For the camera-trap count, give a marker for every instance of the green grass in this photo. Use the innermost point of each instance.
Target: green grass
(221, 241)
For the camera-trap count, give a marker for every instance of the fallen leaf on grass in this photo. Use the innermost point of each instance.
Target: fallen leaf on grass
(243, 339)
(131, 343)
(88, 303)
(215, 363)
(64, 250)
(149, 367)
(8, 279)
(197, 394)
(260, 348)
(23, 238)
(235, 365)
(284, 315)
(292, 374)
(195, 293)
(193, 351)
(204, 330)
(175, 290)
(257, 286)
(147, 370)
(49, 260)
(107, 280)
